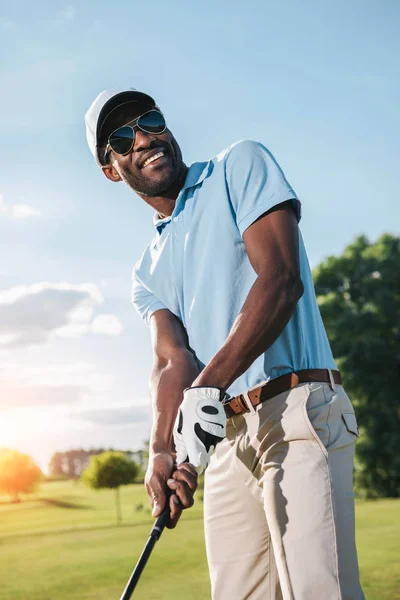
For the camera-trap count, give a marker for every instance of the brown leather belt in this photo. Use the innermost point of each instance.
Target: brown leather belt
(276, 386)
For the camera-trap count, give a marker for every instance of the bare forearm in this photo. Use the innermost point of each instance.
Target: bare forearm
(264, 315)
(167, 382)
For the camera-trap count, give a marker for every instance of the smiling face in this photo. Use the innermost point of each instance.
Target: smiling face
(155, 162)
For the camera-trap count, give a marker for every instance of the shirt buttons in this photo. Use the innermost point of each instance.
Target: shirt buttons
(175, 219)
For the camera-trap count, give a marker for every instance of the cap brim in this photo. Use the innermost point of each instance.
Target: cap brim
(117, 100)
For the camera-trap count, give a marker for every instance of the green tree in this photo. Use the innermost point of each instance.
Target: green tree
(359, 297)
(110, 470)
(18, 473)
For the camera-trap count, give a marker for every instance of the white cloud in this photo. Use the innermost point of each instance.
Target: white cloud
(20, 292)
(107, 325)
(82, 373)
(33, 314)
(8, 339)
(24, 386)
(115, 415)
(17, 211)
(23, 211)
(14, 396)
(3, 207)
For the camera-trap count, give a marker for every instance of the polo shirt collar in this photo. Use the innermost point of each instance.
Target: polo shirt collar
(195, 175)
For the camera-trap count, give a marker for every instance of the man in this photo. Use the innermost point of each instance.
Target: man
(244, 384)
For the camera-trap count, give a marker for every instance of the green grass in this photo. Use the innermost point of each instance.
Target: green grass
(70, 505)
(63, 543)
(378, 542)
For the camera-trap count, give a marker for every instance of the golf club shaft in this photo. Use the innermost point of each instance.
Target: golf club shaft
(153, 537)
(155, 533)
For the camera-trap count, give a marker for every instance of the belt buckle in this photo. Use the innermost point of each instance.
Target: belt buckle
(248, 403)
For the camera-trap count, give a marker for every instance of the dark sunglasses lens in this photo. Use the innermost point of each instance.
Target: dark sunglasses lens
(121, 141)
(152, 122)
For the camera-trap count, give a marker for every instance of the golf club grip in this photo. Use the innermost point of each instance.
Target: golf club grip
(161, 521)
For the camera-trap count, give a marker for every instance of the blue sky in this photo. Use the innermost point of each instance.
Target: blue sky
(316, 82)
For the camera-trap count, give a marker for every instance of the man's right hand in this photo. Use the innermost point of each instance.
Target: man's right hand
(162, 473)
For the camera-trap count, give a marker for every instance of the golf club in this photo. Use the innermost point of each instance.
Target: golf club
(155, 533)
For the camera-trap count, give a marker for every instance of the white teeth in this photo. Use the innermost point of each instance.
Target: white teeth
(154, 157)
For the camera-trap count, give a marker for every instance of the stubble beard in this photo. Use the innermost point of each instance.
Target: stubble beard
(153, 187)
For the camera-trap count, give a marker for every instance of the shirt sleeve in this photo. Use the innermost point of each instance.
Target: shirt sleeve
(143, 300)
(256, 183)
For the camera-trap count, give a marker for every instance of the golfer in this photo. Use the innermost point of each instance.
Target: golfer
(244, 384)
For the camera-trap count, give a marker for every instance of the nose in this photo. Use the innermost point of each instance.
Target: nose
(143, 140)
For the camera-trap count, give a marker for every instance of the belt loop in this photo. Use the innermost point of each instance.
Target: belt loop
(332, 384)
(248, 403)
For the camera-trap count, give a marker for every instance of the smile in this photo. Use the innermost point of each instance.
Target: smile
(152, 159)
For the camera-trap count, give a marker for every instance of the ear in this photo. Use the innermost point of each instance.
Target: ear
(111, 173)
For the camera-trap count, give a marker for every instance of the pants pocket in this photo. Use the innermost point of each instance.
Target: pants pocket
(332, 424)
(316, 410)
(350, 421)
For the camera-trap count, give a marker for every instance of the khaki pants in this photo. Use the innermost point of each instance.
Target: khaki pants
(278, 500)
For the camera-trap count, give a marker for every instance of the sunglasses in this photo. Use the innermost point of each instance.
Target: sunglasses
(122, 139)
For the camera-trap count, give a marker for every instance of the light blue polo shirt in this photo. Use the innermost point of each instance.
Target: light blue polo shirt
(197, 266)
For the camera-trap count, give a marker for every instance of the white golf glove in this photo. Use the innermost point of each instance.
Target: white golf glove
(199, 426)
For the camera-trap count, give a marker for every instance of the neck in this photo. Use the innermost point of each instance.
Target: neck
(165, 204)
